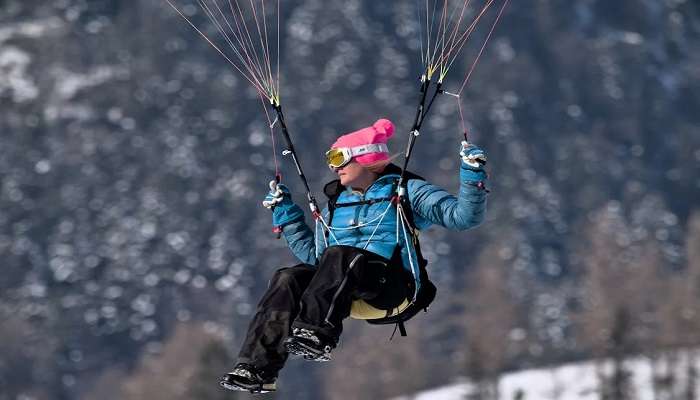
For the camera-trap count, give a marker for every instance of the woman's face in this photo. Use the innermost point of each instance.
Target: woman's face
(355, 175)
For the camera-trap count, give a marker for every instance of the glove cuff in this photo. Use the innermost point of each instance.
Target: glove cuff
(282, 216)
(471, 176)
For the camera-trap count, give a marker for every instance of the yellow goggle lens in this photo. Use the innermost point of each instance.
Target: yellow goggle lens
(336, 158)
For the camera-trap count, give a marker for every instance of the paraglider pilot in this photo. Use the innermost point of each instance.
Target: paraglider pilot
(360, 263)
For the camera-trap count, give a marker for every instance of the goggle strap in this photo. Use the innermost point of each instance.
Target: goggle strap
(349, 152)
(368, 148)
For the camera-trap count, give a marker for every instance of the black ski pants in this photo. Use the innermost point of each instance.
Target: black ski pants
(319, 298)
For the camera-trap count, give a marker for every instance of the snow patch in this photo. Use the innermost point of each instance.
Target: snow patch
(15, 79)
(76, 112)
(632, 38)
(574, 381)
(31, 29)
(68, 84)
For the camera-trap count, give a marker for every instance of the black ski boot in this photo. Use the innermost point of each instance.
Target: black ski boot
(246, 377)
(308, 344)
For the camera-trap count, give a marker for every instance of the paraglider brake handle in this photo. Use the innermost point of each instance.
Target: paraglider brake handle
(313, 206)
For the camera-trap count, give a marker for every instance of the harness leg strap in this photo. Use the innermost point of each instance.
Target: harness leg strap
(402, 328)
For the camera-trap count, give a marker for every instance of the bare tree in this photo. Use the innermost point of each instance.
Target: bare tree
(367, 365)
(489, 317)
(214, 360)
(174, 373)
(620, 297)
(107, 386)
(23, 352)
(690, 312)
(675, 368)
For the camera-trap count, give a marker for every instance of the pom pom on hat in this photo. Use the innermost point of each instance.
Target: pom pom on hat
(384, 126)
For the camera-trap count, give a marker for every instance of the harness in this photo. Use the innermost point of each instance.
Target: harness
(426, 290)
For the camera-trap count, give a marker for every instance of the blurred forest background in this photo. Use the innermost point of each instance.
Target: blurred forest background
(133, 160)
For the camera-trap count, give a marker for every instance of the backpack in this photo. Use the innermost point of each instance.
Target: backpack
(427, 290)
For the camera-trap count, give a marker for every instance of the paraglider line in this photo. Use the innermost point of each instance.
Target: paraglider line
(257, 87)
(481, 51)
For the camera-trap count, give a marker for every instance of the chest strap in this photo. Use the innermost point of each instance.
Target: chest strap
(364, 202)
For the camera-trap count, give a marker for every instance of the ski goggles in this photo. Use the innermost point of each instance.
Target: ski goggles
(341, 156)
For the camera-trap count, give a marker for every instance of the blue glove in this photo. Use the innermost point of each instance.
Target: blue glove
(473, 161)
(279, 200)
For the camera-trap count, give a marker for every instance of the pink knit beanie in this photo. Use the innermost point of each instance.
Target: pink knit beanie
(379, 132)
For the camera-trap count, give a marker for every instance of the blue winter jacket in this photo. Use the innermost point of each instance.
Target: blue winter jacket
(374, 226)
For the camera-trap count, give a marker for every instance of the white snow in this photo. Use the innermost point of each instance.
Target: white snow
(14, 78)
(632, 38)
(30, 29)
(575, 381)
(68, 84)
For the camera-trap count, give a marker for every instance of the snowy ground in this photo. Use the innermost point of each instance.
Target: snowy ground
(565, 382)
